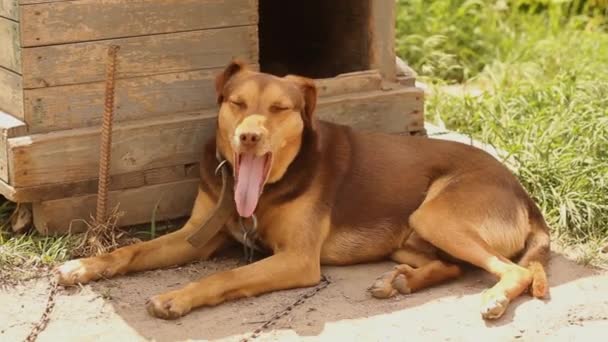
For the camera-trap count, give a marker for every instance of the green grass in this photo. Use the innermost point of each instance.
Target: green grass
(453, 40)
(545, 73)
(28, 255)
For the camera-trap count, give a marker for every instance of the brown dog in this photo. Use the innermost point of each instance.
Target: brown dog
(324, 194)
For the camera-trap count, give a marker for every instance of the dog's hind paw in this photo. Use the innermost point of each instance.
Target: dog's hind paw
(389, 284)
(493, 305)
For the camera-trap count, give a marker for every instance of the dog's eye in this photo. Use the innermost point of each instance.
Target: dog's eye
(278, 108)
(237, 103)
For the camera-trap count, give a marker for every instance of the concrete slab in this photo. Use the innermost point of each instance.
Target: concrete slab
(113, 310)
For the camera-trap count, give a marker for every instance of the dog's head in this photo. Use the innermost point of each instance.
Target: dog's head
(261, 122)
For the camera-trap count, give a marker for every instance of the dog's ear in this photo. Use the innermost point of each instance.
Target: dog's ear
(309, 91)
(222, 78)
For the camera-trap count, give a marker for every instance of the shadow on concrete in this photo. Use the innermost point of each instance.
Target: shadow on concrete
(345, 299)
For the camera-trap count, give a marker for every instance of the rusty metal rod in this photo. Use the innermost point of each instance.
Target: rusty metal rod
(105, 147)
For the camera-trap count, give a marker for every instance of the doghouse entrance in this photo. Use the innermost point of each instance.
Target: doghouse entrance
(314, 38)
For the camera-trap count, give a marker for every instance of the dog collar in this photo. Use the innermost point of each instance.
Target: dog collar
(221, 214)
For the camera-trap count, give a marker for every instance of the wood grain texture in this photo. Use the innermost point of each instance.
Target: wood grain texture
(49, 109)
(349, 83)
(138, 56)
(84, 20)
(10, 49)
(66, 215)
(11, 93)
(406, 76)
(382, 35)
(387, 111)
(165, 174)
(9, 127)
(88, 187)
(9, 9)
(72, 155)
(6, 190)
(31, 2)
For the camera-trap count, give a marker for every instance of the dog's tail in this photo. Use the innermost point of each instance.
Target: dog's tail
(537, 252)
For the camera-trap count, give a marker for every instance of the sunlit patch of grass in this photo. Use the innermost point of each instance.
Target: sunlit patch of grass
(452, 41)
(544, 67)
(26, 256)
(29, 255)
(547, 107)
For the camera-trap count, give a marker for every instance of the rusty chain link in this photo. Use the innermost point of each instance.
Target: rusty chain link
(322, 285)
(46, 315)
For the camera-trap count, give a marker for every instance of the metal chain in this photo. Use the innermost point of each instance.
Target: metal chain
(322, 285)
(249, 238)
(46, 315)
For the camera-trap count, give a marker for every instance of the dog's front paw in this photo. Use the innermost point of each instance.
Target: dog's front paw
(169, 305)
(82, 271)
(390, 283)
(493, 304)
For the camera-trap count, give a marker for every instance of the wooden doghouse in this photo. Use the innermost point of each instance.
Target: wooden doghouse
(52, 62)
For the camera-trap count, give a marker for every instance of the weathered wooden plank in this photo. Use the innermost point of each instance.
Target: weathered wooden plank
(139, 56)
(11, 93)
(87, 187)
(165, 174)
(10, 50)
(31, 2)
(382, 31)
(9, 127)
(193, 170)
(49, 109)
(174, 200)
(85, 20)
(383, 111)
(406, 76)
(9, 9)
(349, 83)
(72, 155)
(79, 188)
(415, 120)
(6, 190)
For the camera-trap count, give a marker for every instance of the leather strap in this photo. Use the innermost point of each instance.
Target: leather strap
(223, 211)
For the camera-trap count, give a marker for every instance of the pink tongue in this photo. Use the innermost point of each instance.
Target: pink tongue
(249, 183)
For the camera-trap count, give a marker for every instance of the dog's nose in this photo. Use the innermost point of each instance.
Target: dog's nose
(250, 139)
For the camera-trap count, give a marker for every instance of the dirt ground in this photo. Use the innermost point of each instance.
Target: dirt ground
(113, 310)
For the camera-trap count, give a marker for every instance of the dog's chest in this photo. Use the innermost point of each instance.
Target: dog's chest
(246, 233)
